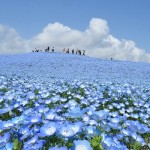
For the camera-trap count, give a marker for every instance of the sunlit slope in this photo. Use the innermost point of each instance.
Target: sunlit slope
(47, 66)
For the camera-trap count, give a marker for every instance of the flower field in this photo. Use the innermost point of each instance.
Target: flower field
(57, 102)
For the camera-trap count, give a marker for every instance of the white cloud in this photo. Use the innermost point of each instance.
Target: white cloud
(96, 40)
(10, 41)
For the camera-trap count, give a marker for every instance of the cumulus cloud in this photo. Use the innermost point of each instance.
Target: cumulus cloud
(96, 40)
(10, 41)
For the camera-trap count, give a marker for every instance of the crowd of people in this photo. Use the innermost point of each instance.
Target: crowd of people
(73, 51)
(46, 50)
(65, 50)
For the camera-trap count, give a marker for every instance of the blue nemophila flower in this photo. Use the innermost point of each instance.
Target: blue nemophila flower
(74, 112)
(114, 125)
(72, 103)
(92, 122)
(4, 139)
(28, 111)
(91, 131)
(50, 115)
(126, 132)
(24, 136)
(32, 140)
(24, 102)
(102, 114)
(140, 140)
(77, 127)
(19, 120)
(58, 148)
(42, 109)
(8, 146)
(44, 95)
(31, 96)
(120, 136)
(112, 143)
(9, 97)
(55, 98)
(66, 131)
(48, 129)
(63, 99)
(115, 120)
(1, 99)
(24, 129)
(81, 145)
(6, 109)
(85, 118)
(16, 105)
(138, 127)
(35, 119)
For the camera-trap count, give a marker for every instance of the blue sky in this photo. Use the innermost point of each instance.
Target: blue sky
(127, 19)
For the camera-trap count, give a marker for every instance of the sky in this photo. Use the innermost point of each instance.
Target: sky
(117, 29)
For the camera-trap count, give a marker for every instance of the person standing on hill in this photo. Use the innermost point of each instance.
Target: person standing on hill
(83, 52)
(72, 51)
(53, 49)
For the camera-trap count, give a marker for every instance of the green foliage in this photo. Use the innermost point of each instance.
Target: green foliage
(36, 92)
(50, 105)
(17, 145)
(4, 90)
(81, 91)
(8, 115)
(96, 143)
(105, 94)
(16, 112)
(31, 104)
(54, 140)
(136, 146)
(64, 95)
(5, 116)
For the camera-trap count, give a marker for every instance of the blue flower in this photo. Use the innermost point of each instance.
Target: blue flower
(18, 120)
(58, 148)
(8, 146)
(32, 140)
(50, 115)
(66, 131)
(75, 112)
(102, 114)
(85, 118)
(140, 140)
(35, 119)
(91, 131)
(4, 139)
(77, 127)
(81, 145)
(6, 125)
(31, 95)
(48, 129)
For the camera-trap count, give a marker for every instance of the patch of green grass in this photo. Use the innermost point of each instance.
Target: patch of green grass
(96, 143)
(4, 90)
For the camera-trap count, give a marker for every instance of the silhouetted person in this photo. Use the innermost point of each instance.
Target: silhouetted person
(83, 52)
(47, 49)
(67, 50)
(53, 49)
(73, 51)
(36, 50)
(79, 52)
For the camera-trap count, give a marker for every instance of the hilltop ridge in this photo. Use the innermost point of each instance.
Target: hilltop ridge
(70, 67)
